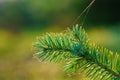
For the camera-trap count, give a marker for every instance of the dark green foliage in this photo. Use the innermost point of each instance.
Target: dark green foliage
(75, 49)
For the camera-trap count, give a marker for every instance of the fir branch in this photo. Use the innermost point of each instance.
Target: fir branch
(79, 53)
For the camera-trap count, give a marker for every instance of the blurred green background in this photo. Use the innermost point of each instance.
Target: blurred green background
(21, 21)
